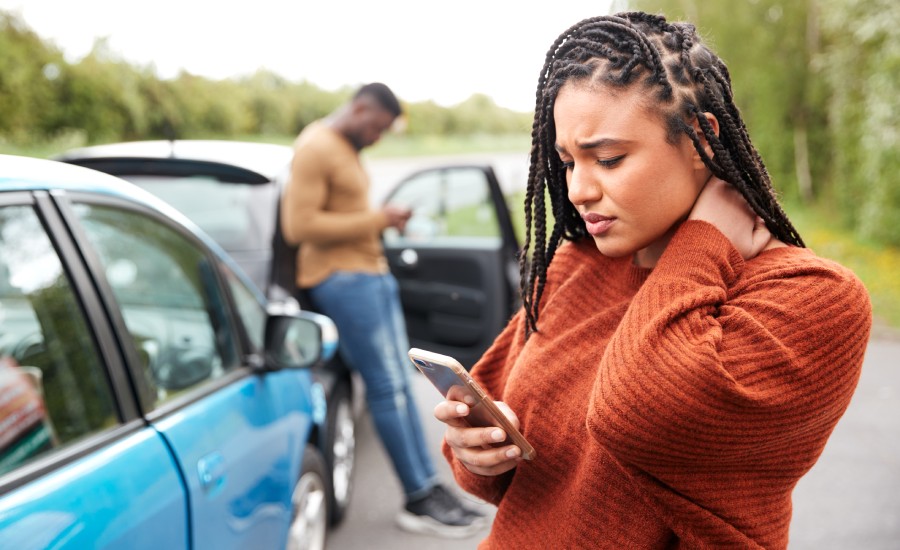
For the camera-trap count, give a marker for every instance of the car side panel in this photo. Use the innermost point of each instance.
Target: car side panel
(240, 450)
(128, 495)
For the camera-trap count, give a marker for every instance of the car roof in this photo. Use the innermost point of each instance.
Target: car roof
(30, 173)
(33, 174)
(268, 160)
(19, 173)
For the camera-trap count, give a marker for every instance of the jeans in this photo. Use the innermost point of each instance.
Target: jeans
(373, 341)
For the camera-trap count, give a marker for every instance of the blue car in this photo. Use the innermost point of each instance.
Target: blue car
(150, 396)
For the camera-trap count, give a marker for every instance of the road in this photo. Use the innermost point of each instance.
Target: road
(849, 500)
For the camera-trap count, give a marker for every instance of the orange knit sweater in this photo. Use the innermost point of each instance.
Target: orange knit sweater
(672, 408)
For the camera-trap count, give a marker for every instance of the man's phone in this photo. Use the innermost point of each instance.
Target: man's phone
(453, 380)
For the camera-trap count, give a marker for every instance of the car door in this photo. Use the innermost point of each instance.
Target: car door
(79, 467)
(456, 260)
(237, 434)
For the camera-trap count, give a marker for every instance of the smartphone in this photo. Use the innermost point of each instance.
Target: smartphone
(451, 378)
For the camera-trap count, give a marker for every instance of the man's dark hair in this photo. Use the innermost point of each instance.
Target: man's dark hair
(383, 95)
(681, 79)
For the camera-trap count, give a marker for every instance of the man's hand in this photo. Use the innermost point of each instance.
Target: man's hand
(397, 216)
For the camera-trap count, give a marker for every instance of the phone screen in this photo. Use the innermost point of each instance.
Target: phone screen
(453, 382)
(456, 384)
(443, 377)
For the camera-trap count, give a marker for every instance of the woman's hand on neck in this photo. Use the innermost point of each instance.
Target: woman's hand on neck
(723, 206)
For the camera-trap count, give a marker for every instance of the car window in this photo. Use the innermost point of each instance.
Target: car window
(54, 388)
(249, 309)
(170, 299)
(447, 205)
(238, 216)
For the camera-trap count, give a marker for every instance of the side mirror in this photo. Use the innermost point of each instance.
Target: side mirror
(298, 339)
(329, 333)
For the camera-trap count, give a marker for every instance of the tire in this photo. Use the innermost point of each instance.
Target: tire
(309, 519)
(340, 451)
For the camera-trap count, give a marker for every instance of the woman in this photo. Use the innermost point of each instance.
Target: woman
(681, 358)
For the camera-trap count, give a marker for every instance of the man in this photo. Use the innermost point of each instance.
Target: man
(341, 263)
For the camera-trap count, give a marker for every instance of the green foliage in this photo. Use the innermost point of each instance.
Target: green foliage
(28, 70)
(101, 98)
(817, 82)
(861, 64)
(100, 95)
(768, 47)
(474, 116)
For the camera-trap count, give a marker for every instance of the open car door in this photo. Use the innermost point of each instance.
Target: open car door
(456, 260)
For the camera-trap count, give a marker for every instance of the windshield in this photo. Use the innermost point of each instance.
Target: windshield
(238, 216)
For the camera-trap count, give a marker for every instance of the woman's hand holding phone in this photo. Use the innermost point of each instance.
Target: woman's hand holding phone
(475, 447)
(482, 433)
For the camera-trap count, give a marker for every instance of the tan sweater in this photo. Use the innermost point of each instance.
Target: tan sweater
(672, 408)
(325, 209)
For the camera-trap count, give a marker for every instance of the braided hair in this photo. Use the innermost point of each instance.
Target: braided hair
(683, 79)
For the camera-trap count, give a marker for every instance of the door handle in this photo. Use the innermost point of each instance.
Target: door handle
(211, 470)
(409, 258)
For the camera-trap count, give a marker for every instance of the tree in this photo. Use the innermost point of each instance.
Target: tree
(29, 70)
(101, 96)
(861, 64)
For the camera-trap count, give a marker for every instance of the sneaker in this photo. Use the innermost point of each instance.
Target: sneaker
(450, 500)
(434, 514)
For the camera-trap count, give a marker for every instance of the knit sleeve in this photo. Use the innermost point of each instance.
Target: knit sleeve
(491, 372)
(707, 372)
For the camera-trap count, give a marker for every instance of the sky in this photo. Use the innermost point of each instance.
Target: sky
(438, 51)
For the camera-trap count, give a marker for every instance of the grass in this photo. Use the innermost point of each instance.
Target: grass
(393, 145)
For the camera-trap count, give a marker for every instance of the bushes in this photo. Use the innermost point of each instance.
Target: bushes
(861, 64)
(103, 98)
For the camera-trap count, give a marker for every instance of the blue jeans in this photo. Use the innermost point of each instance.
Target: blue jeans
(373, 341)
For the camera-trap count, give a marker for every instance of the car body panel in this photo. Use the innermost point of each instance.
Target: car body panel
(266, 159)
(205, 179)
(229, 189)
(239, 449)
(128, 491)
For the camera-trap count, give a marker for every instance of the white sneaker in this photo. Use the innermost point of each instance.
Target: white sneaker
(439, 513)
